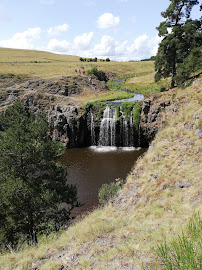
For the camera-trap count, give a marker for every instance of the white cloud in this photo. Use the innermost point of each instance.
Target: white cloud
(47, 2)
(106, 46)
(58, 46)
(55, 30)
(108, 21)
(83, 41)
(142, 47)
(24, 40)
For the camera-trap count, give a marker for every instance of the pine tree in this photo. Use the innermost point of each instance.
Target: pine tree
(33, 186)
(178, 39)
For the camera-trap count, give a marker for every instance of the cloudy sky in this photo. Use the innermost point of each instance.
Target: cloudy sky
(119, 29)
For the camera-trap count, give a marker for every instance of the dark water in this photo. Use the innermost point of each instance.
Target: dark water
(89, 168)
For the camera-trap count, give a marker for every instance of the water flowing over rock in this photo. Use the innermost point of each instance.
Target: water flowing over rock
(92, 129)
(108, 127)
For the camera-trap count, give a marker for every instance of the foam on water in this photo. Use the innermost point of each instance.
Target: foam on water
(113, 148)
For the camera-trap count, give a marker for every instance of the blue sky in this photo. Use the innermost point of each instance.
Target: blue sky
(120, 29)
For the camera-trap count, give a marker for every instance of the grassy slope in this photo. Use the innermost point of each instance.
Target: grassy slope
(124, 234)
(50, 65)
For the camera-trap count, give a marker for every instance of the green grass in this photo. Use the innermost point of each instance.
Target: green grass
(136, 115)
(127, 107)
(184, 251)
(107, 96)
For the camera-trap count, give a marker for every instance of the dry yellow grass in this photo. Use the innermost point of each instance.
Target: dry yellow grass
(54, 65)
(124, 234)
(149, 78)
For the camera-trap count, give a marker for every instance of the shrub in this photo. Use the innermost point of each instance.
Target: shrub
(107, 60)
(94, 71)
(183, 252)
(127, 108)
(108, 191)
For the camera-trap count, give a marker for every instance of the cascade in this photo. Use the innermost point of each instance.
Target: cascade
(107, 135)
(131, 130)
(92, 130)
(124, 130)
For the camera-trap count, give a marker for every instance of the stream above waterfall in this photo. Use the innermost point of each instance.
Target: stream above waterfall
(136, 97)
(89, 168)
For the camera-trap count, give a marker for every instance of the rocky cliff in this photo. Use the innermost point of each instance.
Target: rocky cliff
(72, 123)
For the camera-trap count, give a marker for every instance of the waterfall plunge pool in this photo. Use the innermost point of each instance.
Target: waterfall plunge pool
(89, 168)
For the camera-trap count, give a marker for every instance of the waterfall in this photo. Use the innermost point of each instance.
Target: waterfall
(107, 135)
(125, 130)
(131, 130)
(92, 130)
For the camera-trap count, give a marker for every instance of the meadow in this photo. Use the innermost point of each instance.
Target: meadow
(44, 64)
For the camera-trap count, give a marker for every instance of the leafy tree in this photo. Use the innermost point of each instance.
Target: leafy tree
(180, 36)
(33, 186)
(107, 60)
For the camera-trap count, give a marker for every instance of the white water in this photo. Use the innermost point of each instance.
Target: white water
(107, 135)
(104, 149)
(131, 130)
(92, 128)
(125, 130)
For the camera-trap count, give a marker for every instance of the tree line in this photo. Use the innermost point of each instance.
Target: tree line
(93, 59)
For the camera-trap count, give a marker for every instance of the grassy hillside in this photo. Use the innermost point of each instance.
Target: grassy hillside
(162, 191)
(44, 64)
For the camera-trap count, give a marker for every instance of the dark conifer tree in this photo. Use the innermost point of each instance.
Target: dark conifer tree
(33, 186)
(180, 36)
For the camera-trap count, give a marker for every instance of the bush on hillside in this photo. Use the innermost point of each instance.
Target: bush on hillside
(108, 191)
(93, 71)
(183, 252)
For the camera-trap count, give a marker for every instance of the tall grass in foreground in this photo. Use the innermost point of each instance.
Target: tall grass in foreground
(184, 252)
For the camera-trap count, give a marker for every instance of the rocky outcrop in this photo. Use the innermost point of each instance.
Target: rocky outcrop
(152, 118)
(71, 124)
(68, 126)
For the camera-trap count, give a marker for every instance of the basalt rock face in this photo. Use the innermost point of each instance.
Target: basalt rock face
(67, 126)
(152, 118)
(79, 127)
